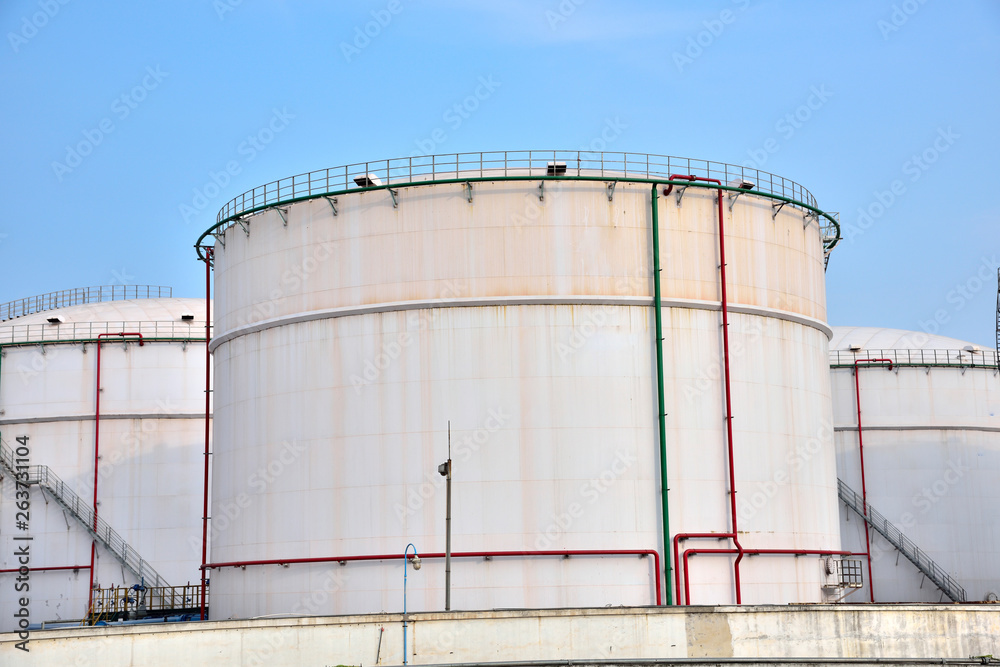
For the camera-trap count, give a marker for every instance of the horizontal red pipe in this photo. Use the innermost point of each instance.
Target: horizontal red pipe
(755, 552)
(46, 569)
(457, 554)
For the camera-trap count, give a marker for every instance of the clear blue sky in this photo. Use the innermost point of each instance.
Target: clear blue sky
(163, 95)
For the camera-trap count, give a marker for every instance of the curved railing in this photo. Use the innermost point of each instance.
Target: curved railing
(497, 165)
(920, 358)
(78, 296)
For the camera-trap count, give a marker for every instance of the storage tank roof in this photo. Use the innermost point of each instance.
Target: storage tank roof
(132, 310)
(877, 338)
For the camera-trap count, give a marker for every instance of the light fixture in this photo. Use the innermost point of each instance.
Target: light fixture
(367, 181)
(854, 348)
(742, 184)
(56, 320)
(416, 566)
(555, 169)
(187, 317)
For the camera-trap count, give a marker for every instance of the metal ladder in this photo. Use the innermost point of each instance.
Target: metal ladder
(45, 478)
(903, 544)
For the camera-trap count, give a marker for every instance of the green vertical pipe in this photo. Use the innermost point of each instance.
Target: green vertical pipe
(662, 413)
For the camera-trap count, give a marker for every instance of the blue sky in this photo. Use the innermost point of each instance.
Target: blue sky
(884, 107)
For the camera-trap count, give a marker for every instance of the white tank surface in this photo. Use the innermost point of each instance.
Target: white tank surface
(151, 440)
(930, 431)
(513, 296)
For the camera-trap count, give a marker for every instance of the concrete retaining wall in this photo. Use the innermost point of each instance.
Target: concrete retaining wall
(611, 634)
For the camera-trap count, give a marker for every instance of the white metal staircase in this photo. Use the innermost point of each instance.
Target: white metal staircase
(948, 585)
(45, 478)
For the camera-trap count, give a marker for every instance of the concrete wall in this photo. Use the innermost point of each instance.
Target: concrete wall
(827, 631)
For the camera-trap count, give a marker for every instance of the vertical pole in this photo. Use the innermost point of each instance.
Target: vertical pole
(447, 523)
(661, 410)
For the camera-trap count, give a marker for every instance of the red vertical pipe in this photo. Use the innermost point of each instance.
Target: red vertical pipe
(208, 406)
(725, 355)
(97, 451)
(861, 453)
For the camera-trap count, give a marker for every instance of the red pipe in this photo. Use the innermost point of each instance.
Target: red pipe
(690, 536)
(754, 552)
(47, 569)
(462, 554)
(209, 252)
(861, 452)
(725, 356)
(97, 448)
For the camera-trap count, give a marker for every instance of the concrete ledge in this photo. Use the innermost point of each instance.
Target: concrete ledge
(792, 635)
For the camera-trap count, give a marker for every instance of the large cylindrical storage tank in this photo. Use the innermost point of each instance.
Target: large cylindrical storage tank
(352, 328)
(151, 440)
(930, 431)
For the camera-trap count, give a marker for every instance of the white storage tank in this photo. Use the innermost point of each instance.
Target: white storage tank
(930, 429)
(151, 441)
(512, 295)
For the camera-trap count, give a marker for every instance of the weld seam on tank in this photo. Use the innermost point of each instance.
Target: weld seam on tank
(476, 302)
